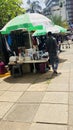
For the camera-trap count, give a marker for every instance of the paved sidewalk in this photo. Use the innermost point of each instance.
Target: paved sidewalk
(36, 102)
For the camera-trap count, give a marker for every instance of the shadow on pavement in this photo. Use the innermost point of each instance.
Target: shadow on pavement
(52, 76)
(62, 60)
(28, 78)
(31, 78)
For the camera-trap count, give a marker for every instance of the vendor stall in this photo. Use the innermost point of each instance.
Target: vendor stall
(25, 59)
(24, 55)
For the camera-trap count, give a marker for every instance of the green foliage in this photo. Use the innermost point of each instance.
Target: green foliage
(58, 21)
(9, 9)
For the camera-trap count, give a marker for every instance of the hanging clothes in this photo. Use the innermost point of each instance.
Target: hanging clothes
(9, 39)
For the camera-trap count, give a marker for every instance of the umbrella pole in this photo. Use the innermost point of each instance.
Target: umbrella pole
(30, 39)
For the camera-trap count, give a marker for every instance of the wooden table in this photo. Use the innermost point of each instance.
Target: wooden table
(43, 60)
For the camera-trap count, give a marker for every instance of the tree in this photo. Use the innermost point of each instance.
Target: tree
(58, 21)
(34, 6)
(9, 9)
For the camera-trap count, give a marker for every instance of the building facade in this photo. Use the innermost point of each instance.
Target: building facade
(51, 3)
(54, 7)
(69, 8)
(63, 8)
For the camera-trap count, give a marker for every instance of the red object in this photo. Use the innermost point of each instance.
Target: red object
(42, 67)
(2, 68)
(34, 41)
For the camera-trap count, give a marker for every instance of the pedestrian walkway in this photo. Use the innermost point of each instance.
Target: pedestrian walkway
(37, 101)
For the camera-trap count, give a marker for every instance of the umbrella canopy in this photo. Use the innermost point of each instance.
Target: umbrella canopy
(53, 29)
(62, 30)
(40, 32)
(28, 21)
(44, 31)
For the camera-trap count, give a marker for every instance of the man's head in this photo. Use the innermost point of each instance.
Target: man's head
(49, 33)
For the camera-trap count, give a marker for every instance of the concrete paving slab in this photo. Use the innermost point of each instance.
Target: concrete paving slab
(31, 97)
(41, 80)
(10, 96)
(1, 92)
(70, 114)
(51, 110)
(62, 70)
(71, 67)
(70, 128)
(5, 86)
(63, 74)
(19, 87)
(57, 87)
(60, 80)
(66, 65)
(71, 98)
(28, 78)
(62, 77)
(22, 113)
(56, 97)
(37, 126)
(4, 107)
(5, 125)
(5, 83)
(1, 79)
(71, 79)
(71, 75)
(52, 113)
(71, 87)
(18, 80)
(38, 87)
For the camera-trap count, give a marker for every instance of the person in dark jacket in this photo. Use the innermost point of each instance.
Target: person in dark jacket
(52, 48)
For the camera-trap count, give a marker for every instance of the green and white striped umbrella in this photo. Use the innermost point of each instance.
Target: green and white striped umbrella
(44, 31)
(62, 29)
(28, 21)
(40, 32)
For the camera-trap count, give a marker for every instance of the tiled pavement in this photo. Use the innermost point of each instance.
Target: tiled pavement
(38, 102)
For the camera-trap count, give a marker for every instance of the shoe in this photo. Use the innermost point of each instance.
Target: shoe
(55, 72)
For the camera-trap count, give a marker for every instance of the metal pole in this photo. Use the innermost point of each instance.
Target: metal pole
(30, 39)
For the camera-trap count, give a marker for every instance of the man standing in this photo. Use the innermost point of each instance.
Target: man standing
(52, 48)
